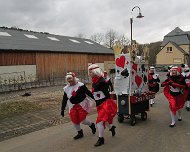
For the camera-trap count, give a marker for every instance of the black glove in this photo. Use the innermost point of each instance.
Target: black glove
(62, 113)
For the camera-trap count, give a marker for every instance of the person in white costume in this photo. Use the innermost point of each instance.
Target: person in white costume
(79, 100)
(153, 82)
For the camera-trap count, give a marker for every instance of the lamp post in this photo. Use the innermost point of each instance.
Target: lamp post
(131, 20)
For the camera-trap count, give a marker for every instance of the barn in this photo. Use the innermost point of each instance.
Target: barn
(44, 55)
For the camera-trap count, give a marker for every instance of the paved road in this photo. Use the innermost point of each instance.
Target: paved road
(152, 135)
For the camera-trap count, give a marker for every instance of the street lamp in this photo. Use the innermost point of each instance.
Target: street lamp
(131, 20)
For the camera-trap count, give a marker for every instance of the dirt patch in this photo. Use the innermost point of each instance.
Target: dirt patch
(11, 108)
(40, 98)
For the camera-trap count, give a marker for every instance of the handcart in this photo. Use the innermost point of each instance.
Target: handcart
(130, 106)
(131, 83)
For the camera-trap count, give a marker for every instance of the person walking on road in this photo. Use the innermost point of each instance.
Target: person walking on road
(153, 82)
(79, 100)
(186, 74)
(175, 90)
(106, 107)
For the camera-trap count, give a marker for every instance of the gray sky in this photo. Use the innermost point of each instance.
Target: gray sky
(71, 17)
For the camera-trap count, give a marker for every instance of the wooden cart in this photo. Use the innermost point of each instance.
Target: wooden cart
(131, 83)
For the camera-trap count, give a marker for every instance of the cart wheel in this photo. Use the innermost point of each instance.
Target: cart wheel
(133, 120)
(120, 118)
(143, 116)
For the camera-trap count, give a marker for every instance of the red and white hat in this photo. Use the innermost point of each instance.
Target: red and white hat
(94, 68)
(71, 75)
(184, 67)
(175, 68)
(152, 69)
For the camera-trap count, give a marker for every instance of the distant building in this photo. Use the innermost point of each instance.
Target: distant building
(46, 55)
(175, 48)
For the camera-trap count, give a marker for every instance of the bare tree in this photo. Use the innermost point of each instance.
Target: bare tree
(110, 38)
(97, 37)
(123, 40)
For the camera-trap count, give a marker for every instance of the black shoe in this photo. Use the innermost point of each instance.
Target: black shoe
(179, 119)
(151, 105)
(79, 135)
(93, 128)
(172, 125)
(113, 130)
(188, 108)
(99, 142)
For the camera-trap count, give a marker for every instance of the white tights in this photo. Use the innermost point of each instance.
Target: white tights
(173, 117)
(188, 104)
(85, 122)
(100, 127)
(151, 101)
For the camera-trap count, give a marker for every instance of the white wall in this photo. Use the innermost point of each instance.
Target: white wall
(17, 73)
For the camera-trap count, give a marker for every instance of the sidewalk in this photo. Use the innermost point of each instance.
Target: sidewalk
(32, 121)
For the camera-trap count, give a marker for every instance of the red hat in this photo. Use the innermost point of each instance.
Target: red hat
(177, 69)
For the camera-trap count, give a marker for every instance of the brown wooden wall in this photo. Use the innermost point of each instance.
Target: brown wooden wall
(17, 58)
(53, 64)
(57, 64)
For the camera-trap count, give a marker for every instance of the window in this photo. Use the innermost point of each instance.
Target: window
(75, 41)
(169, 49)
(53, 38)
(88, 42)
(31, 36)
(4, 34)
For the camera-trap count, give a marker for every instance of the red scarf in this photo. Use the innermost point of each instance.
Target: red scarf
(96, 79)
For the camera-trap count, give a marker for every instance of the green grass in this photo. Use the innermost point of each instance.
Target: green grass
(11, 108)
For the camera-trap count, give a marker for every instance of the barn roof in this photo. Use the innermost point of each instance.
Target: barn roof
(17, 39)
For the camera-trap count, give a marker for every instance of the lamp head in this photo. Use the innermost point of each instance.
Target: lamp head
(140, 15)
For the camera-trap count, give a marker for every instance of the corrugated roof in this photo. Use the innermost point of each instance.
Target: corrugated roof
(18, 41)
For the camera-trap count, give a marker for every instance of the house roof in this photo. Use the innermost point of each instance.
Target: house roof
(178, 47)
(176, 31)
(17, 39)
(177, 36)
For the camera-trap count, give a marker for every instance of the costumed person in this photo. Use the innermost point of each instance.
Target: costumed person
(106, 107)
(79, 100)
(168, 73)
(153, 82)
(175, 90)
(108, 81)
(186, 74)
